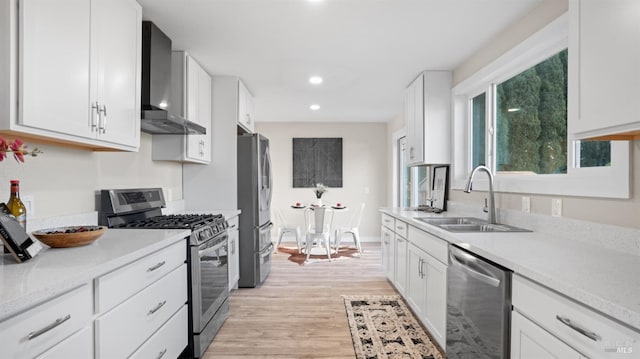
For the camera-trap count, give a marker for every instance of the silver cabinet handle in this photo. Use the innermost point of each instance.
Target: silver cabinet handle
(400, 227)
(399, 239)
(411, 155)
(157, 307)
(248, 119)
(420, 267)
(152, 268)
(95, 111)
(39, 332)
(104, 119)
(161, 354)
(578, 328)
(233, 247)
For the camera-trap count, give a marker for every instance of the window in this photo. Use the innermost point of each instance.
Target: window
(531, 123)
(414, 181)
(513, 116)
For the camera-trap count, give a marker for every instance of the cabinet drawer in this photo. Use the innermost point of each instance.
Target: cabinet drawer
(401, 228)
(117, 286)
(168, 341)
(233, 223)
(123, 329)
(47, 324)
(79, 345)
(388, 221)
(566, 319)
(433, 245)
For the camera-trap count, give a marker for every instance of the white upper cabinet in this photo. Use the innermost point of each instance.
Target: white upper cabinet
(604, 69)
(191, 99)
(428, 120)
(78, 71)
(245, 108)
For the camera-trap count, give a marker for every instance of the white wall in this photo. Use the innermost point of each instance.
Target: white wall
(63, 181)
(364, 169)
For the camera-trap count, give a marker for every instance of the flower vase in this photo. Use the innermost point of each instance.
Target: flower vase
(319, 202)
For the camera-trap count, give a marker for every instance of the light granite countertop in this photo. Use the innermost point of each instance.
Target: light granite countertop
(603, 279)
(55, 271)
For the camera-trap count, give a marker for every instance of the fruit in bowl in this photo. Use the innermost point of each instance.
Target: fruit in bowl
(298, 204)
(338, 204)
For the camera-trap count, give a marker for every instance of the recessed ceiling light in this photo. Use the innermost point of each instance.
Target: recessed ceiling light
(314, 107)
(515, 109)
(315, 80)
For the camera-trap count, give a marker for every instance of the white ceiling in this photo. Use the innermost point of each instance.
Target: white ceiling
(367, 51)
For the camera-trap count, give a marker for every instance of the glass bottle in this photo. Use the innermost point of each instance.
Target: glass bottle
(16, 206)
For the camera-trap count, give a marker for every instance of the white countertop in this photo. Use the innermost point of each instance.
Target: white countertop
(603, 279)
(55, 271)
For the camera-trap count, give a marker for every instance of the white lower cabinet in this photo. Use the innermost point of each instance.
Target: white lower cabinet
(169, 341)
(41, 328)
(549, 325)
(234, 256)
(529, 341)
(388, 257)
(79, 345)
(401, 265)
(120, 331)
(416, 284)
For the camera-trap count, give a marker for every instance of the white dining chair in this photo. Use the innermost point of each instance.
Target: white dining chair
(284, 227)
(319, 221)
(351, 228)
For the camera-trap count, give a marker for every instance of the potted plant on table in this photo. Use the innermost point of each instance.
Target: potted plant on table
(319, 190)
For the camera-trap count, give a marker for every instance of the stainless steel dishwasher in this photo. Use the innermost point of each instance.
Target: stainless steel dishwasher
(478, 307)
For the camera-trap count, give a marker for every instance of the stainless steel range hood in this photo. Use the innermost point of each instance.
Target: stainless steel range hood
(157, 117)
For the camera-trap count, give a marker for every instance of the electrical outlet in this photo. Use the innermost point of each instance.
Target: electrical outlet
(556, 207)
(526, 204)
(29, 203)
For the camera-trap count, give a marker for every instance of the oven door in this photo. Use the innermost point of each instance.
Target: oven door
(210, 279)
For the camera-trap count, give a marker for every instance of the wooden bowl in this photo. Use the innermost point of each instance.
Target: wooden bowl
(72, 236)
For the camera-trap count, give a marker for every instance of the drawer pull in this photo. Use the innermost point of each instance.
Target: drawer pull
(162, 353)
(400, 227)
(151, 269)
(589, 334)
(58, 321)
(157, 307)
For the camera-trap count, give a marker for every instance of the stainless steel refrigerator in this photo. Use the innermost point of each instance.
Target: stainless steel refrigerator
(254, 200)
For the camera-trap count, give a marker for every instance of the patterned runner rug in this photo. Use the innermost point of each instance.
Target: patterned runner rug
(383, 327)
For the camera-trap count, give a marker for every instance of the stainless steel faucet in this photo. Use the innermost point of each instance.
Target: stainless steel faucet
(467, 189)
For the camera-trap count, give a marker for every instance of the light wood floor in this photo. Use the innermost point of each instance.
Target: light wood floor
(298, 311)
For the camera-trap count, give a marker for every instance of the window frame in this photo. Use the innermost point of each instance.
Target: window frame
(608, 182)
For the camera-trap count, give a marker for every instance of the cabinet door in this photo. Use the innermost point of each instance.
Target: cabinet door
(416, 146)
(245, 107)
(204, 113)
(401, 265)
(436, 301)
(234, 261)
(196, 106)
(529, 341)
(54, 84)
(387, 238)
(605, 37)
(416, 283)
(117, 32)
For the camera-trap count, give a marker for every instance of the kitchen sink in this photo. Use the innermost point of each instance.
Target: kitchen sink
(469, 225)
(437, 221)
(481, 227)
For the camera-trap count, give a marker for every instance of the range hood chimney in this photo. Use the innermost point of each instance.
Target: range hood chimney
(157, 117)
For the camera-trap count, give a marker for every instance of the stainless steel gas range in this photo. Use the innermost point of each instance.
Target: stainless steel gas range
(208, 280)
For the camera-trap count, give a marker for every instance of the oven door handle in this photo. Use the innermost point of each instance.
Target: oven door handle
(267, 252)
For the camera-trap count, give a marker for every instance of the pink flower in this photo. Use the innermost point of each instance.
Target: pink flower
(18, 152)
(18, 148)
